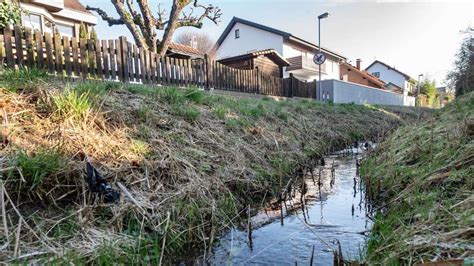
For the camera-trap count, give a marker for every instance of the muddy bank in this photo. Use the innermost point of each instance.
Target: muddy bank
(187, 163)
(421, 180)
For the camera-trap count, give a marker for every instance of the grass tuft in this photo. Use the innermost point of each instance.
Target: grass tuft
(39, 166)
(24, 78)
(73, 105)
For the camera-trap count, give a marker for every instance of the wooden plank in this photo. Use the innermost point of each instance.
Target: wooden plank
(125, 59)
(19, 45)
(105, 59)
(58, 54)
(147, 66)
(83, 45)
(91, 57)
(136, 65)
(75, 57)
(158, 69)
(153, 67)
(2, 55)
(98, 60)
(39, 49)
(112, 55)
(118, 52)
(142, 64)
(165, 73)
(67, 55)
(129, 58)
(49, 52)
(30, 53)
(7, 35)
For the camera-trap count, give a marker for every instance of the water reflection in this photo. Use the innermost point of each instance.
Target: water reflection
(327, 207)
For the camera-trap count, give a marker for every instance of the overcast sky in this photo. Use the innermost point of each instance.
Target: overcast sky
(414, 37)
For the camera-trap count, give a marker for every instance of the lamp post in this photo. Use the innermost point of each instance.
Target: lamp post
(419, 79)
(322, 16)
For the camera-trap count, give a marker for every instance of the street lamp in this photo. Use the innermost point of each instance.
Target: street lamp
(419, 78)
(322, 16)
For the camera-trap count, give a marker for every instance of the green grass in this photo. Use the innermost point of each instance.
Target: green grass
(423, 173)
(144, 113)
(189, 113)
(39, 166)
(73, 105)
(22, 79)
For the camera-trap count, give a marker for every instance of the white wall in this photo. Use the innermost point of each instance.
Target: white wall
(251, 39)
(347, 92)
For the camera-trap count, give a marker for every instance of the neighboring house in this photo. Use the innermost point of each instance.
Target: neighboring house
(269, 61)
(50, 16)
(354, 74)
(390, 74)
(182, 51)
(243, 37)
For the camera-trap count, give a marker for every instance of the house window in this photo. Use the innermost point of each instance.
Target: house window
(376, 74)
(237, 33)
(65, 30)
(32, 21)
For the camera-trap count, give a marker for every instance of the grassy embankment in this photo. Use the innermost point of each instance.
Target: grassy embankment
(191, 161)
(422, 179)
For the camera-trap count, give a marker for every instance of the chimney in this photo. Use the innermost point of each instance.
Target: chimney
(358, 61)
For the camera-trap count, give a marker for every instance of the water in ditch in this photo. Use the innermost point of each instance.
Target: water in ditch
(334, 213)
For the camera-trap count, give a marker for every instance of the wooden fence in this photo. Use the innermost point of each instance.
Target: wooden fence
(119, 60)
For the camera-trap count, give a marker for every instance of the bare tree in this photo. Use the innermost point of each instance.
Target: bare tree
(144, 26)
(200, 40)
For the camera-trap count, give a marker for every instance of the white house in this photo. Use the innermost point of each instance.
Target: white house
(50, 16)
(392, 76)
(242, 37)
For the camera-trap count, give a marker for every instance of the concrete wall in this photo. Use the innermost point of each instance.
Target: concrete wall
(251, 39)
(345, 92)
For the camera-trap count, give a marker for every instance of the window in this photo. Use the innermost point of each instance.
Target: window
(65, 30)
(32, 21)
(237, 33)
(376, 74)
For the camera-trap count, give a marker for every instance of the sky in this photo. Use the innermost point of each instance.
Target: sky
(414, 37)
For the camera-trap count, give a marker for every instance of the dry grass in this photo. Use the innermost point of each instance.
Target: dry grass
(188, 163)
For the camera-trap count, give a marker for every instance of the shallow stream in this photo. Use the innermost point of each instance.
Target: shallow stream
(333, 212)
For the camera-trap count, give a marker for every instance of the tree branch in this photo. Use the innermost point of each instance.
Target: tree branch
(105, 17)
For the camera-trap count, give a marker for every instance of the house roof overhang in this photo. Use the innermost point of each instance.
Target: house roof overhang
(186, 50)
(286, 36)
(271, 54)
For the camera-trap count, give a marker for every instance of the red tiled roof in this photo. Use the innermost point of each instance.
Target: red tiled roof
(75, 5)
(365, 74)
(185, 49)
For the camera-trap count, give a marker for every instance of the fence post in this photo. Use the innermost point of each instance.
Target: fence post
(291, 94)
(124, 55)
(206, 69)
(258, 80)
(315, 89)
